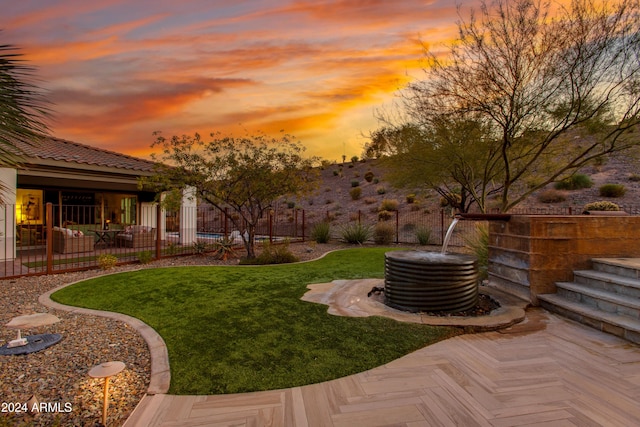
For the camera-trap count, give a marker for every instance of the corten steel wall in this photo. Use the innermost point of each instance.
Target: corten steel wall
(529, 254)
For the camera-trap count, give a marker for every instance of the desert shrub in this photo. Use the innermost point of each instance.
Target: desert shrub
(551, 196)
(107, 261)
(321, 232)
(574, 182)
(355, 233)
(601, 206)
(384, 215)
(291, 204)
(383, 233)
(354, 159)
(355, 183)
(415, 207)
(634, 177)
(273, 254)
(452, 200)
(328, 201)
(355, 193)
(423, 235)
(409, 226)
(381, 190)
(370, 200)
(171, 249)
(145, 257)
(612, 190)
(200, 247)
(336, 173)
(411, 198)
(368, 176)
(389, 205)
(376, 180)
(478, 243)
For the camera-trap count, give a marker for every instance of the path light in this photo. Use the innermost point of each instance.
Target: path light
(106, 370)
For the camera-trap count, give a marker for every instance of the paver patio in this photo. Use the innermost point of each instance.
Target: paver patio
(544, 371)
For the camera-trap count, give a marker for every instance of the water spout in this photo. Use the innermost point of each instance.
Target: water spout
(447, 237)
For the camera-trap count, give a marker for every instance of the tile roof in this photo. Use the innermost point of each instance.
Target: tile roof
(51, 148)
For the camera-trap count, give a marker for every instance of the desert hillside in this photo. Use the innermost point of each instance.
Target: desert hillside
(332, 197)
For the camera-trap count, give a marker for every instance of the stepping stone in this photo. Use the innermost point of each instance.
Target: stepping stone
(32, 321)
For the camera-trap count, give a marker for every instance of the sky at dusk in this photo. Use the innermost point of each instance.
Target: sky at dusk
(117, 71)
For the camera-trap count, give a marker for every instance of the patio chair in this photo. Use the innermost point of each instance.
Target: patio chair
(136, 236)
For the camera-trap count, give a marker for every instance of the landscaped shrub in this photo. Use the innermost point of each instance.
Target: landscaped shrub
(411, 198)
(273, 254)
(384, 233)
(612, 190)
(551, 196)
(355, 193)
(321, 232)
(574, 182)
(145, 257)
(478, 243)
(601, 206)
(389, 205)
(355, 183)
(384, 215)
(107, 261)
(423, 235)
(381, 190)
(452, 200)
(356, 233)
(368, 176)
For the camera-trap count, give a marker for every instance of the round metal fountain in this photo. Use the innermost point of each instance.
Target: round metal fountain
(430, 281)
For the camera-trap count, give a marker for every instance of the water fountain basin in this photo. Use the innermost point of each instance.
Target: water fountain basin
(420, 281)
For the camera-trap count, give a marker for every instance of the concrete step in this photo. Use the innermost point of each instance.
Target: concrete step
(609, 282)
(600, 299)
(625, 267)
(616, 324)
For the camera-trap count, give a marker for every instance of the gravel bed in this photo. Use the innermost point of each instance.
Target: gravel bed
(57, 376)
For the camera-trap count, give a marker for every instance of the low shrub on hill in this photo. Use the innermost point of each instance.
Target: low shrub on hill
(612, 190)
(551, 196)
(574, 182)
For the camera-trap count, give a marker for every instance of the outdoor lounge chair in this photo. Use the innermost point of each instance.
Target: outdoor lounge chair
(67, 241)
(136, 236)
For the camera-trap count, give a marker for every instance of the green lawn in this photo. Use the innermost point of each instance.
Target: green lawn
(244, 328)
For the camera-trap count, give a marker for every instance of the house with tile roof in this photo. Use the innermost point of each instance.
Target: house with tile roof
(88, 186)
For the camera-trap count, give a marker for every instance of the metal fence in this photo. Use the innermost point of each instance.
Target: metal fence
(72, 238)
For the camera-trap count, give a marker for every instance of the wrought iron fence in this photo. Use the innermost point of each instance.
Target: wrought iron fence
(80, 237)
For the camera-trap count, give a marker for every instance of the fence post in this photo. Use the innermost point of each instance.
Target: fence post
(303, 225)
(270, 226)
(49, 219)
(397, 226)
(159, 233)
